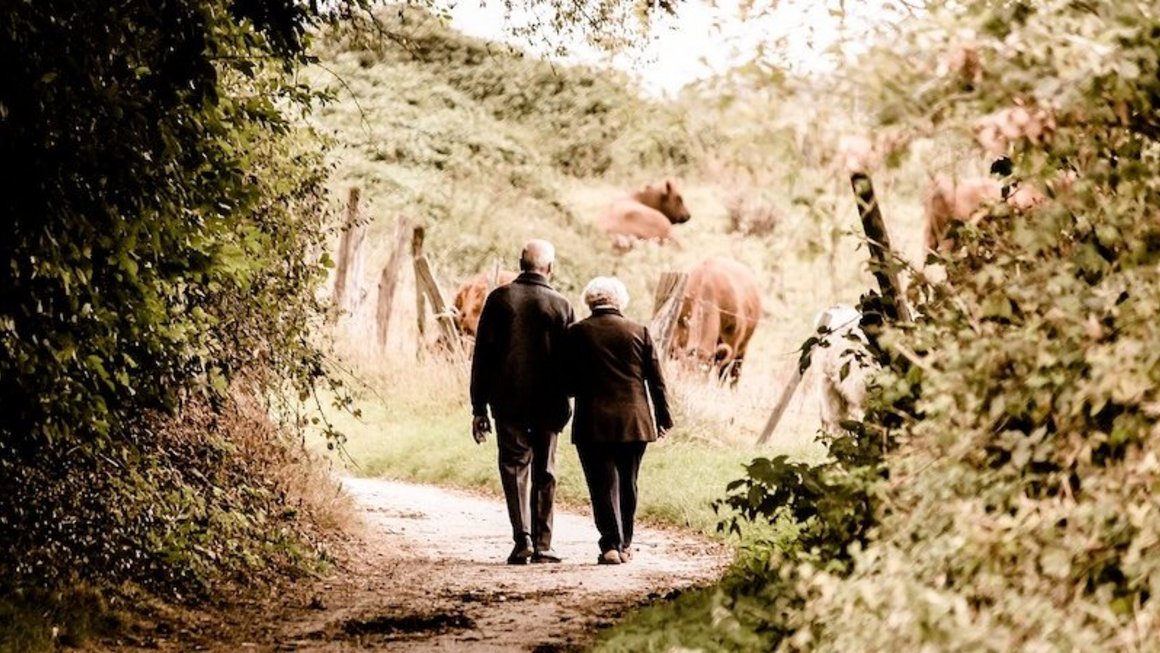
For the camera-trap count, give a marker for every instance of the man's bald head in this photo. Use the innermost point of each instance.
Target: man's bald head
(538, 256)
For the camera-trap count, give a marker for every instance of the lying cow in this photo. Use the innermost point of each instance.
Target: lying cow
(948, 201)
(647, 214)
(468, 302)
(840, 366)
(719, 311)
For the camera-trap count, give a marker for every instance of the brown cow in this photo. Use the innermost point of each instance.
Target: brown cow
(647, 214)
(469, 299)
(948, 200)
(719, 312)
(996, 132)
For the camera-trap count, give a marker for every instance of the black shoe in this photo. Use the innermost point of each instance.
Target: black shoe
(521, 553)
(546, 555)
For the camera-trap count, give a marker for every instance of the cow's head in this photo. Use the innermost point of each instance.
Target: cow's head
(666, 198)
(718, 362)
(465, 312)
(468, 302)
(703, 359)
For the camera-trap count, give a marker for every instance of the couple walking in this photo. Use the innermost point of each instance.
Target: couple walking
(530, 356)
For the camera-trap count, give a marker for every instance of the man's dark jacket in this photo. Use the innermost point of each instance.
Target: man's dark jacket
(613, 372)
(517, 367)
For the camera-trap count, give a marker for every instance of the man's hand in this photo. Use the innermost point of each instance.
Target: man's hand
(662, 431)
(480, 427)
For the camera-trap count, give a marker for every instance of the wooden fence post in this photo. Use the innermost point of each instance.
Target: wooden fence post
(348, 268)
(880, 252)
(427, 290)
(782, 402)
(389, 279)
(420, 301)
(666, 308)
(427, 285)
(492, 279)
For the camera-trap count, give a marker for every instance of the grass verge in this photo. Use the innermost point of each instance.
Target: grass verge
(415, 426)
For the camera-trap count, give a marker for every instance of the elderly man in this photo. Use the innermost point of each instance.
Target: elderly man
(614, 371)
(517, 371)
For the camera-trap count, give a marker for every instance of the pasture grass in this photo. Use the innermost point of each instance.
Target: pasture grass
(415, 426)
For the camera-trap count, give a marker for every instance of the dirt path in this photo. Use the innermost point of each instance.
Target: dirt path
(427, 573)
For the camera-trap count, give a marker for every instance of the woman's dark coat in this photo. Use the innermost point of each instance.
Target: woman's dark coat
(614, 371)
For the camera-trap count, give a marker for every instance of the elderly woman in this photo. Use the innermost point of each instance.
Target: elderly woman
(614, 373)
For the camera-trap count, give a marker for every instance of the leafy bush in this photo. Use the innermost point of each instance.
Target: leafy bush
(158, 224)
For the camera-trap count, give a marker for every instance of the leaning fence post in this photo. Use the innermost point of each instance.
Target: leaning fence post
(782, 403)
(389, 279)
(420, 301)
(427, 285)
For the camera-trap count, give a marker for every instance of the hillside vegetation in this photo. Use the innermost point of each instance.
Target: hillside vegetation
(478, 141)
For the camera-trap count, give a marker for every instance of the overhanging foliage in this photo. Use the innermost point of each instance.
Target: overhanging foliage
(1016, 507)
(159, 211)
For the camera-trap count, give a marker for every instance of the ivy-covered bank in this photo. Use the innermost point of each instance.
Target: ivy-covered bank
(157, 289)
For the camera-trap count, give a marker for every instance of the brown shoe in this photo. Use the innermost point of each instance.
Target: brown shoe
(626, 554)
(609, 557)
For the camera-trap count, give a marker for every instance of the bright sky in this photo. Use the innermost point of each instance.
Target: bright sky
(707, 38)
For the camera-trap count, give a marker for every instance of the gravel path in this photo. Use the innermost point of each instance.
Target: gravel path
(425, 572)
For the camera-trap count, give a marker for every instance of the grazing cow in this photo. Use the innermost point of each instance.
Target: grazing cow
(469, 299)
(647, 214)
(719, 311)
(841, 366)
(948, 201)
(995, 132)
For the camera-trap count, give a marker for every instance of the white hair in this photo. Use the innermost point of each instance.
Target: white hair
(605, 291)
(538, 256)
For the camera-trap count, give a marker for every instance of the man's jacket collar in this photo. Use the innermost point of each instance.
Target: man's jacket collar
(533, 278)
(606, 310)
